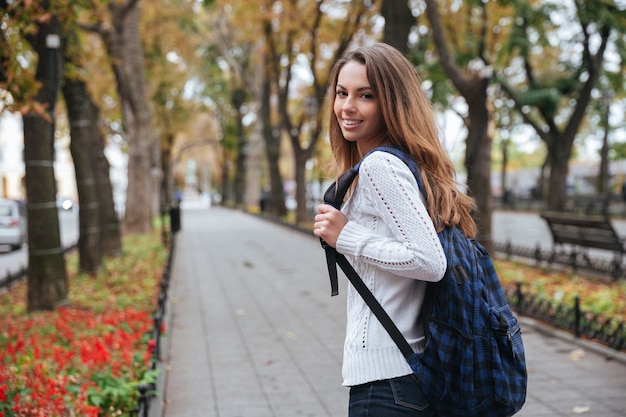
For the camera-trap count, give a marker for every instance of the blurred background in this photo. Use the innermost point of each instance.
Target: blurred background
(131, 108)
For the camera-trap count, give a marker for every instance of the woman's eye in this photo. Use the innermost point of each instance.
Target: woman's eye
(341, 93)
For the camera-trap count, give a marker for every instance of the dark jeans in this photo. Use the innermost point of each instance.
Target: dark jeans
(398, 397)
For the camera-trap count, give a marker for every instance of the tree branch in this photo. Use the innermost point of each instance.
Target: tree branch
(445, 57)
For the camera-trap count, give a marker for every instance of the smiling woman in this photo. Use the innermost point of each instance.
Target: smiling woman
(386, 228)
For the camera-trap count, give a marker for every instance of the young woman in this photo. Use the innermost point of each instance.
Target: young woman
(386, 228)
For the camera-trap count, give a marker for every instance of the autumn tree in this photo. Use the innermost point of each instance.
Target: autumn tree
(121, 35)
(559, 78)
(39, 25)
(98, 222)
(236, 49)
(172, 37)
(239, 89)
(463, 40)
(313, 35)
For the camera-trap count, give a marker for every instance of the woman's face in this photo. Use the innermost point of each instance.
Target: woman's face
(357, 109)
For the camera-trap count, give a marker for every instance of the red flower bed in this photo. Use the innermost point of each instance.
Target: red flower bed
(83, 360)
(59, 363)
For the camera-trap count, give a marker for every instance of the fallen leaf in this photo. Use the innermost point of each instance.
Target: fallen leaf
(576, 354)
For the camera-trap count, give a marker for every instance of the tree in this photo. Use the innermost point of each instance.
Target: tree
(47, 277)
(398, 23)
(47, 283)
(124, 46)
(172, 37)
(557, 90)
(240, 84)
(472, 85)
(231, 66)
(98, 222)
(81, 116)
(294, 35)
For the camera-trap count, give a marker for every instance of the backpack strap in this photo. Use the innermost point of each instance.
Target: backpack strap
(374, 305)
(334, 196)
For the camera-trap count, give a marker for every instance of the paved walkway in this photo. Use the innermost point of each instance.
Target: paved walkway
(254, 332)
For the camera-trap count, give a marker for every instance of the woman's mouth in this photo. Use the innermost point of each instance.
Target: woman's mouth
(351, 122)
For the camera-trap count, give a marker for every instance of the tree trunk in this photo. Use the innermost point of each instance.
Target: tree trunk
(478, 163)
(167, 185)
(303, 215)
(47, 277)
(603, 172)
(398, 23)
(238, 99)
(124, 46)
(473, 88)
(82, 128)
(109, 220)
(271, 135)
(558, 155)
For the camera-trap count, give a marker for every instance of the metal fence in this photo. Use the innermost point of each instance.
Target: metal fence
(571, 318)
(12, 277)
(149, 391)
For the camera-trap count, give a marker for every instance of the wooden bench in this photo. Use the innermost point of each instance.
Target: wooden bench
(583, 232)
(591, 204)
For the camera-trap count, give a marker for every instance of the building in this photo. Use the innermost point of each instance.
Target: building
(12, 161)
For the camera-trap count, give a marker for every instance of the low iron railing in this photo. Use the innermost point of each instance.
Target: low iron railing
(12, 277)
(571, 318)
(149, 391)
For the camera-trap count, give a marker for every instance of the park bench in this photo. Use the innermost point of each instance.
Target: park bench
(591, 204)
(582, 232)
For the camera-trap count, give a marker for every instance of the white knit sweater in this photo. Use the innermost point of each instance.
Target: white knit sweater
(392, 244)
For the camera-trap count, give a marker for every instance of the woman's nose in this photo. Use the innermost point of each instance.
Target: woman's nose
(348, 104)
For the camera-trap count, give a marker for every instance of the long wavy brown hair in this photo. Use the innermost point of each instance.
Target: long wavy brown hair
(411, 126)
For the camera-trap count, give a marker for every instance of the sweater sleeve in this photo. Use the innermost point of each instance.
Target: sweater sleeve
(406, 244)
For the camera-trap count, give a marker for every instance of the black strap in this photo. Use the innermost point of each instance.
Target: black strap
(374, 305)
(334, 196)
(331, 262)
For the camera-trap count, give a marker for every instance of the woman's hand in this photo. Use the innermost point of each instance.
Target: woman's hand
(328, 224)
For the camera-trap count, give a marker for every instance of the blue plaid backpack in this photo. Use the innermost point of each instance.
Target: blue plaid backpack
(473, 364)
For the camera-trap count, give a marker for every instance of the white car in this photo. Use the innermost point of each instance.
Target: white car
(13, 229)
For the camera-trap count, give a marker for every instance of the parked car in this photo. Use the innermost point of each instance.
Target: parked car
(13, 226)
